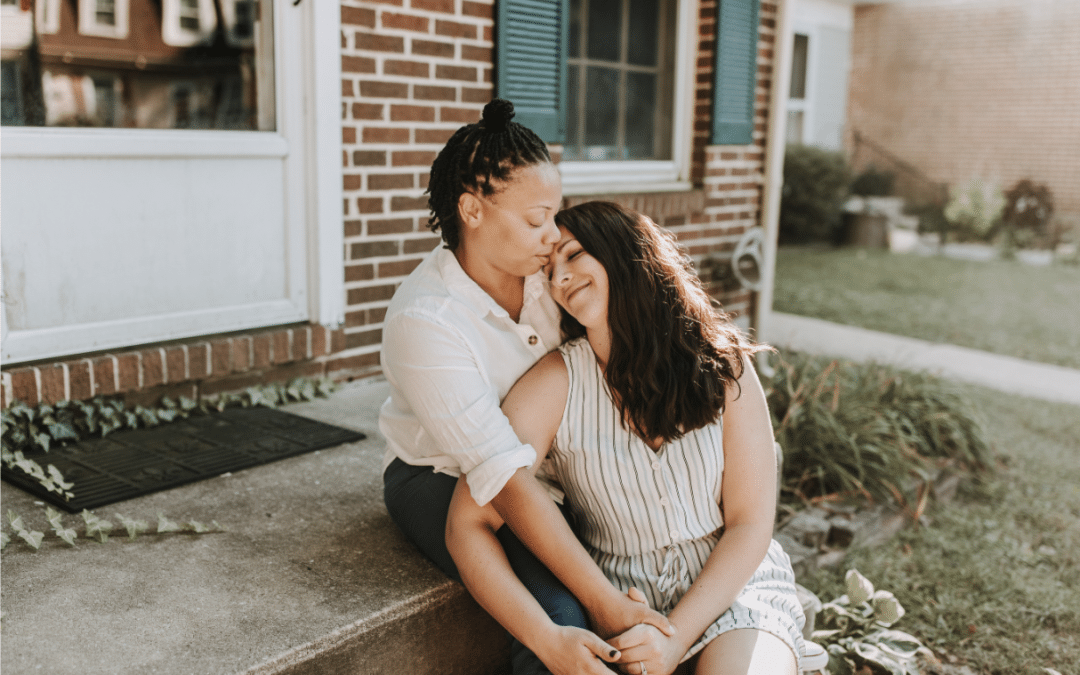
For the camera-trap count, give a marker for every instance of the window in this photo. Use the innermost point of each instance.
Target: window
(613, 81)
(187, 23)
(62, 79)
(796, 110)
(621, 67)
(239, 17)
(102, 18)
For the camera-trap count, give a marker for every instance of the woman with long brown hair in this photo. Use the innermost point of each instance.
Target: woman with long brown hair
(656, 426)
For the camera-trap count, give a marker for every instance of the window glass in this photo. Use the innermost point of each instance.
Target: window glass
(601, 113)
(798, 67)
(142, 64)
(621, 80)
(604, 29)
(642, 43)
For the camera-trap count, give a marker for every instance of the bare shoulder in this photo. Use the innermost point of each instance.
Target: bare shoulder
(546, 378)
(540, 394)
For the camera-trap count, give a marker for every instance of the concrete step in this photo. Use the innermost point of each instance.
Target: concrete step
(311, 576)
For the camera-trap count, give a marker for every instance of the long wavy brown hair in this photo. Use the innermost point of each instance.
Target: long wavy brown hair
(673, 352)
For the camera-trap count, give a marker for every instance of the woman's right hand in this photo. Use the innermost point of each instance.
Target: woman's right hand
(569, 650)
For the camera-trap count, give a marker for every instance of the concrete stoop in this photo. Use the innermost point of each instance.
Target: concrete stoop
(441, 631)
(310, 576)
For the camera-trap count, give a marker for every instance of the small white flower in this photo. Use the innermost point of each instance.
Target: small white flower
(887, 609)
(859, 588)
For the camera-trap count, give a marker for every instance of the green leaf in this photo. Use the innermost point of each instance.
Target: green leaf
(15, 520)
(88, 518)
(32, 537)
(58, 478)
(68, 535)
(100, 529)
(148, 416)
(4, 540)
(168, 403)
(197, 527)
(133, 527)
(44, 440)
(54, 517)
(167, 415)
(164, 525)
(188, 404)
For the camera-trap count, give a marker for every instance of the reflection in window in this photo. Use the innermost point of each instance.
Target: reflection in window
(620, 81)
(796, 108)
(105, 12)
(150, 64)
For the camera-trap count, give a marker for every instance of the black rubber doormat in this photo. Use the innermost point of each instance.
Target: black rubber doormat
(130, 464)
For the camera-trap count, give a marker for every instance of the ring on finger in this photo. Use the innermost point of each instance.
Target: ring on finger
(644, 670)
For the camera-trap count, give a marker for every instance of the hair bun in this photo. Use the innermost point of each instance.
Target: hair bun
(497, 115)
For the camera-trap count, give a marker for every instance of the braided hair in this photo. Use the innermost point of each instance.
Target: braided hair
(474, 157)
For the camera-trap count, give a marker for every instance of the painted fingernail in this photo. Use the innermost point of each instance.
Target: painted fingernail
(613, 653)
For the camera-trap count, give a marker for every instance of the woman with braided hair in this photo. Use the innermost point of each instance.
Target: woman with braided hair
(462, 328)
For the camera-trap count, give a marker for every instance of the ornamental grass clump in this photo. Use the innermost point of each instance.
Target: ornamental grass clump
(868, 430)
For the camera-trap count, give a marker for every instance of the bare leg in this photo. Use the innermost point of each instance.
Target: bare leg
(746, 652)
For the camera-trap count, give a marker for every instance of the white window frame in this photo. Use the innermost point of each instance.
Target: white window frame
(88, 24)
(174, 35)
(48, 16)
(582, 178)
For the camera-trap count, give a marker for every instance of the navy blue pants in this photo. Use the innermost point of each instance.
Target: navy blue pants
(418, 500)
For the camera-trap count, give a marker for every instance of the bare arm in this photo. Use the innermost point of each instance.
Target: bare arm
(749, 503)
(487, 574)
(535, 406)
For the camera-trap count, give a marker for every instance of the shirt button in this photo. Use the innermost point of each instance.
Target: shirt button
(664, 501)
(674, 535)
(656, 466)
(533, 339)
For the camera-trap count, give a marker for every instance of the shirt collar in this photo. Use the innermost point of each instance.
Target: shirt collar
(462, 285)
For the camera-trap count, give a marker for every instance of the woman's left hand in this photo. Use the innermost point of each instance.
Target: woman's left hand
(644, 650)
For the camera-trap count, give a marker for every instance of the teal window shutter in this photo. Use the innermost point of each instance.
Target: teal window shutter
(735, 72)
(530, 63)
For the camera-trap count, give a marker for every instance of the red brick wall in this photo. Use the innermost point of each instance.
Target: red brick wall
(967, 88)
(413, 71)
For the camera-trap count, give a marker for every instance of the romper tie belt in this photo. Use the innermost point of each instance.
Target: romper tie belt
(674, 576)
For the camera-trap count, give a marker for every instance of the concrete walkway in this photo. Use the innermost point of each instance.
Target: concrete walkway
(1004, 373)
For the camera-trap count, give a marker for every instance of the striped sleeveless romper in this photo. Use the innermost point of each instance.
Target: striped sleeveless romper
(650, 519)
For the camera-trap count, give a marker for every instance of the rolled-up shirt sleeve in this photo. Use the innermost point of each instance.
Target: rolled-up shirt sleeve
(432, 365)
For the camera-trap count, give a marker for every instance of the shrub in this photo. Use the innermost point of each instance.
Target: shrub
(873, 183)
(974, 210)
(815, 184)
(1027, 217)
(867, 429)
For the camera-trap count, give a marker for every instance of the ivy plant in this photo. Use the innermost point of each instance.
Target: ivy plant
(95, 527)
(25, 428)
(856, 629)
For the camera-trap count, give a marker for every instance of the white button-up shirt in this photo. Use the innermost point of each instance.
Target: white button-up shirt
(450, 354)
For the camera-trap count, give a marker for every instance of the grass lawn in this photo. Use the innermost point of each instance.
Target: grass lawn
(994, 581)
(1003, 307)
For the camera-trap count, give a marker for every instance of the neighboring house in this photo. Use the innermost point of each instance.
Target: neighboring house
(943, 91)
(820, 64)
(970, 88)
(253, 226)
